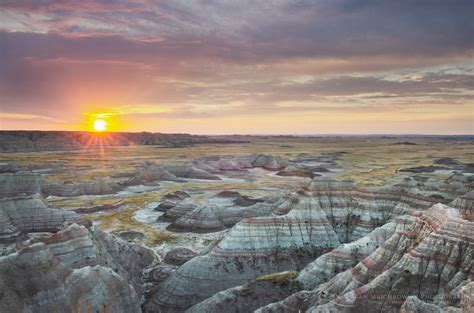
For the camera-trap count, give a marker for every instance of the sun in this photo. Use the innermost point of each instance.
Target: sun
(100, 122)
(100, 125)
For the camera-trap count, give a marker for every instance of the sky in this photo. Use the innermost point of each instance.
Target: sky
(247, 67)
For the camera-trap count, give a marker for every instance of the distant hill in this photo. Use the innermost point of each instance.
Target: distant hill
(26, 141)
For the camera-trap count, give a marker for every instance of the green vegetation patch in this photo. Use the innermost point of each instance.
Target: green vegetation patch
(282, 278)
(124, 221)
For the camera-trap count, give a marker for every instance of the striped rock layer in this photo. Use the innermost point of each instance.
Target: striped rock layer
(73, 270)
(320, 270)
(27, 214)
(205, 168)
(206, 218)
(27, 183)
(324, 216)
(155, 172)
(426, 266)
(246, 298)
(98, 187)
(333, 196)
(216, 164)
(12, 184)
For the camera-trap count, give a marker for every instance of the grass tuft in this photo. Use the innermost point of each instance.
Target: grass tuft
(282, 278)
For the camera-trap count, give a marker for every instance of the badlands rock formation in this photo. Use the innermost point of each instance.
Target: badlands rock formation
(73, 269)
(8, 167)
(268, 162)
(98, 187)
(191, 171)
(232, 163)
(208, 168)
(150, 173)
(77, 246)
(48, 263)
(171, 200)
(176, 211)
(179, 256)
(465, 205)
(26, 214)
(322, 269)
(442, 164)
(50, 286)
(212, 218)
(348, 255)
(175, 196)
(201, 219)
(328, 247)
(264, 289)
(12, 184)
(330, 195)
(324, 216)
(296, 171)
(160, 273)
(431, 259)
(30, 183)
(154, 172)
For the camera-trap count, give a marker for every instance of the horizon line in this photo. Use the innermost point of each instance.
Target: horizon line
(245, 134)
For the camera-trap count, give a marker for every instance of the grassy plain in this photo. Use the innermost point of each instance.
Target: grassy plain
(368, 161)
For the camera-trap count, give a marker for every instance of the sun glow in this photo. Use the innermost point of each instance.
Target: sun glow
(99, 125)
(100, 122)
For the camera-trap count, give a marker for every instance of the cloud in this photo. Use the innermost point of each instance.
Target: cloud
(27, 117)
(224, 58)
(249, 31)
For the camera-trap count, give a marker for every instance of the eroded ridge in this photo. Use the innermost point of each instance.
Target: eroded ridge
(325, 215)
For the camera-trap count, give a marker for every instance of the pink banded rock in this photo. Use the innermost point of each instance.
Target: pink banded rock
(328, 214)
(431, 259)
